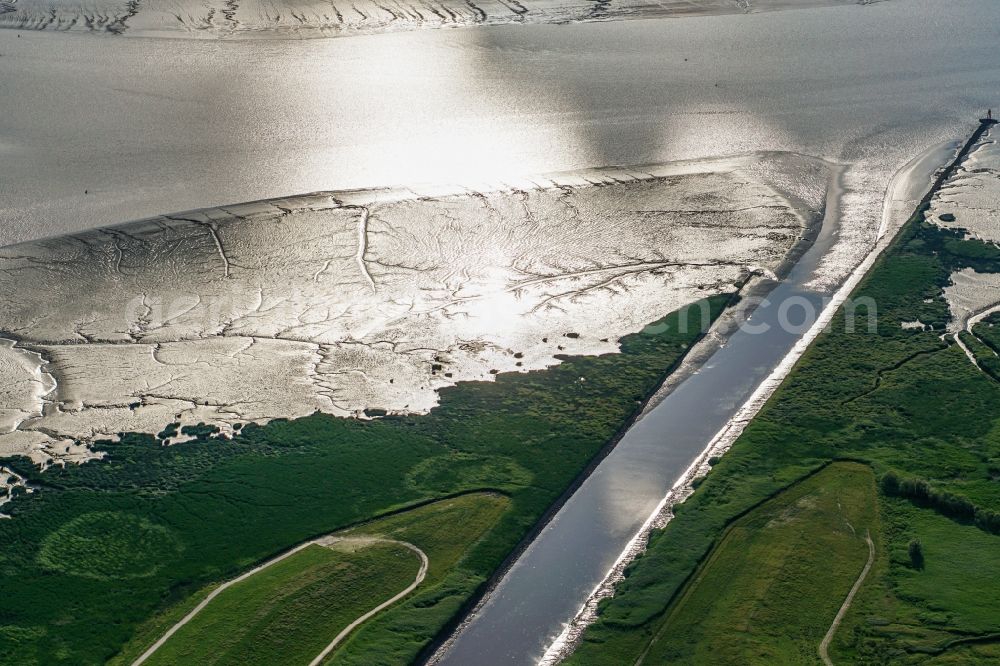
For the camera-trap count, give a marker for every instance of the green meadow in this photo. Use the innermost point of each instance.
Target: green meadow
(288, 612)
(769, 590)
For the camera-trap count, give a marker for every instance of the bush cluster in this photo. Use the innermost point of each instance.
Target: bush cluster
(959, 508)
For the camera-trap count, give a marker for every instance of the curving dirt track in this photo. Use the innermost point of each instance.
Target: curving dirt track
(325, 541)
(424, 563)
(824, 645)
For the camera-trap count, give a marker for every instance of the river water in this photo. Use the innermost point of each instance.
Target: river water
(554, 576)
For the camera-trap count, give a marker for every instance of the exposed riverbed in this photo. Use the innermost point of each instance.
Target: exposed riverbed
(300, 19)
(345, 302)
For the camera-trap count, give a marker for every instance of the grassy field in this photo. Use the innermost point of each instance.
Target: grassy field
(901, 400)
(770, 589)
(288, 612)
(203, 511)
(444, 531)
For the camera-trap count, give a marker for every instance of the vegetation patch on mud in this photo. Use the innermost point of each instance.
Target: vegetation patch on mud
(108, 545)
(467, 471)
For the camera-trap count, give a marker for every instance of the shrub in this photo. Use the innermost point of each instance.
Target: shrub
(955, 506)
(988, 520)
(916, 489)
(916, 552)
(920, 492)
(890, 484)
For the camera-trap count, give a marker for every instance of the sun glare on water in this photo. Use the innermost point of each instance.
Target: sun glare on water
(498, 311)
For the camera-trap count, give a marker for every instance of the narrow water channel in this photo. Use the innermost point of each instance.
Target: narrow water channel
(555, 575)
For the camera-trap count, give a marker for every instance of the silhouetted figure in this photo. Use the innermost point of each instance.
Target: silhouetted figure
(989, 114)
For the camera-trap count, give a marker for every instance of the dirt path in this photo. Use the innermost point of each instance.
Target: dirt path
(825, 643)
(424, 563)
(325, 541)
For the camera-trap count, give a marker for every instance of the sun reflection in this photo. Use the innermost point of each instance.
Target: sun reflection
(455, 128)
(497, 312)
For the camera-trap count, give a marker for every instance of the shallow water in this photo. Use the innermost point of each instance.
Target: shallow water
(146, 126)
(574, 553)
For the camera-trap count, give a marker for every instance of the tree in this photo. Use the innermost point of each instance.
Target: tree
(916, 551)
(890, 483)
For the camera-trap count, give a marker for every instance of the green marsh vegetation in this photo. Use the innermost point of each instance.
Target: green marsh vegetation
(201, 512)
(904, 402)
